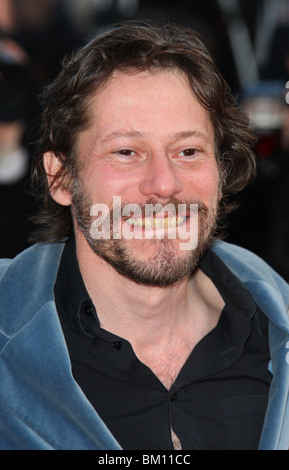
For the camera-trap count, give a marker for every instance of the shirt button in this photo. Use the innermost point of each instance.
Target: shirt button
(88, 310)
(173, 397)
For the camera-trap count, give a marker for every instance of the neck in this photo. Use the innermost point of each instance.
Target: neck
(145, 314)
(163, 325)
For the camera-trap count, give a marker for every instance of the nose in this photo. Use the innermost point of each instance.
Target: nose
(160, 178)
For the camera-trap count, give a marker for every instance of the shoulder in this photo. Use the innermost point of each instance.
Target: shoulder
(26, 284)
(35, 260)
(229, 251)
(246, 265)
(4, 263)
(268, 288)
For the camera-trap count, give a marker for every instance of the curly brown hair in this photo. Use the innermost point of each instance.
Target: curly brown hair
(136, 46)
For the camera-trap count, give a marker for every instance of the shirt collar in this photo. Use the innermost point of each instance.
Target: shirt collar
(74, 303)
(72, 299)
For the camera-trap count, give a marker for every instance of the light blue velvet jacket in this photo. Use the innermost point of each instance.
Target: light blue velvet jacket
(41, 405)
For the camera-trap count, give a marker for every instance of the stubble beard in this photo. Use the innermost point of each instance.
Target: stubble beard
(166, 266)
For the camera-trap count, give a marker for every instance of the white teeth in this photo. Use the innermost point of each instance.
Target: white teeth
(142, 222)
(158, 222)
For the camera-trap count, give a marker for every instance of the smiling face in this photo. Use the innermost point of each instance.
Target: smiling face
(150, 141)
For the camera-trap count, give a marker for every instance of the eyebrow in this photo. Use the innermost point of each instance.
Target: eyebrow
(188, 134)
(119, 134)
(135, 133)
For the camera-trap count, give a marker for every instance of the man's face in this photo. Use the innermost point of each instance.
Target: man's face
(150, 141)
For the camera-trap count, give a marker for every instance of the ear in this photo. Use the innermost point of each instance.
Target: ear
(58, 190)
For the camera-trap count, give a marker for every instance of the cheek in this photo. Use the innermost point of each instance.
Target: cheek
(205, 185)
(103, 182)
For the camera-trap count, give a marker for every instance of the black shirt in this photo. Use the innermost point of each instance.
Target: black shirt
(219, 398)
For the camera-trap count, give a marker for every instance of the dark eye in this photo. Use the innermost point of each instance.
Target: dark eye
(126, 152)
(188, 152)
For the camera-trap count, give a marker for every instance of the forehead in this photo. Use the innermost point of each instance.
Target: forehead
(152, 102)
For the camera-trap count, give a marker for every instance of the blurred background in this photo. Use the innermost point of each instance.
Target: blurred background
(250, 42)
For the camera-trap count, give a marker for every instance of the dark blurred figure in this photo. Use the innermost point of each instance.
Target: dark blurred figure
(261, 223)
(44, 30)
(34, 37)
(15, 203)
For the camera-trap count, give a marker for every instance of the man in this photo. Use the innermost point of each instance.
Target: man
(129, 326)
